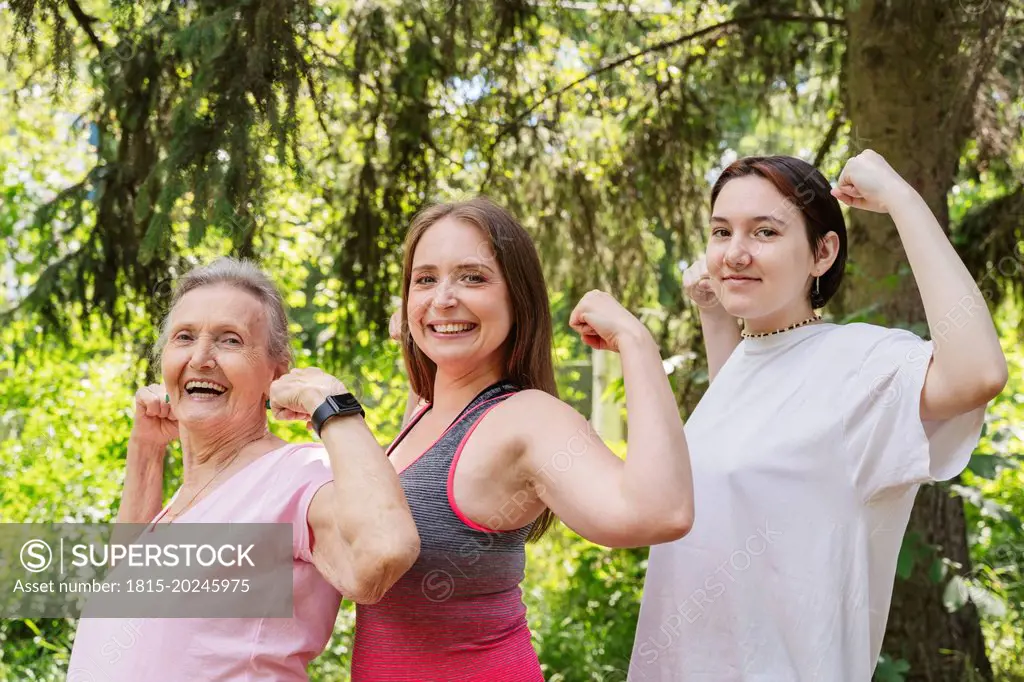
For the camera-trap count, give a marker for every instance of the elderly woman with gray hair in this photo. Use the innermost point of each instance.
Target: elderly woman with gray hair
(224, 354)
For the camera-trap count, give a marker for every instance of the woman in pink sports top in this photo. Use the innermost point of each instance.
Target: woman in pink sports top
(494, 453)
(224, 351)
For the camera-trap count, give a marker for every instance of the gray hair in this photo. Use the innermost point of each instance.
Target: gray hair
(244, 275)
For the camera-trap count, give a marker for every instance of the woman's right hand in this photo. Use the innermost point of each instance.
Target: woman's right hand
(155, 423)
(697, 284)
(395, 325)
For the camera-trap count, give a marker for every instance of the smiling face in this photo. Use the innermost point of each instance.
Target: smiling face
(459, 308)
(216, 365)
(759, 256)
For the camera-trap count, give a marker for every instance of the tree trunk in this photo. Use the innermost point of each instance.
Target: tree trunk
(605, 414)
(913, 71)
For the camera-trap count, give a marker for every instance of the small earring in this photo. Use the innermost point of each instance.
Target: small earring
(167, 398)
(268, 403)
(817, 288)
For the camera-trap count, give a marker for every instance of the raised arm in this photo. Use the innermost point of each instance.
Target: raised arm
(646, 499)
(721, 330)
(154, 428)
(363, 535)
(968, 367)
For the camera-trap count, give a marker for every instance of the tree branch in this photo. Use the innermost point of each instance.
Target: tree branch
(830, 138)
(739, 21)
(86, 22)
(316, 104)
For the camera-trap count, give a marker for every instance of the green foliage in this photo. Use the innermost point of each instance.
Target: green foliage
(147, 138)
(584, 601)
(890, 670)
(64, 422)
(996, 582)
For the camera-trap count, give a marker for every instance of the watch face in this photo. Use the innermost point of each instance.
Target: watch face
(345, 401)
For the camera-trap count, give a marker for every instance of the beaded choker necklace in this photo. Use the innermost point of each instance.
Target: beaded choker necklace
(813, 318)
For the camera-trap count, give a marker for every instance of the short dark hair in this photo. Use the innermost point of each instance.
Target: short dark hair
(247, 276)
(808, 190)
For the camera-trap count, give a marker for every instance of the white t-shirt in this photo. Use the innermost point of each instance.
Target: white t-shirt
(807, 449)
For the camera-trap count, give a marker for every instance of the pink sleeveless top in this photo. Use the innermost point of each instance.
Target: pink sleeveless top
(457, 615)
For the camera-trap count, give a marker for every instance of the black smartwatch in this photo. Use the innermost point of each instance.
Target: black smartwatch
(335, 406)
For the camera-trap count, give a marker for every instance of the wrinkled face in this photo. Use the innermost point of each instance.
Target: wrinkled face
(216, 364)
(758, 255)
(460, 312)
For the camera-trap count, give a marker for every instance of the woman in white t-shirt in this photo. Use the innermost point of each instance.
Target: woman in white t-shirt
(811, 441)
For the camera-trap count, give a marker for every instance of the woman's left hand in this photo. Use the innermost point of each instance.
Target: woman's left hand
(870, 183)
(603, 323)
(298, 393)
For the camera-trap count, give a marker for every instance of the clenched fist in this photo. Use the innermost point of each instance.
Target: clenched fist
(603, 323)
(868, 182)
(298, 393)
(155, 423)
(697, 285)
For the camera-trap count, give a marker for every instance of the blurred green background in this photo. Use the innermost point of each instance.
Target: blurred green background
(137, 140)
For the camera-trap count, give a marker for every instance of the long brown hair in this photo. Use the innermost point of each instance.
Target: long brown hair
(528, 361)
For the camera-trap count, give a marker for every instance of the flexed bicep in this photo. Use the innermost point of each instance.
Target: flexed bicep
(587, 485)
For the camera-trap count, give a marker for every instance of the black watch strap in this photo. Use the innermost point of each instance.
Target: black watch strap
(335, 406)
